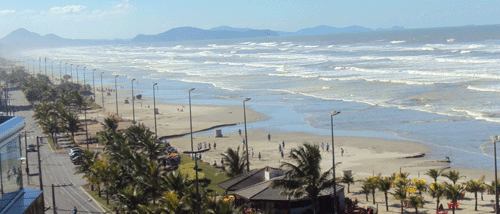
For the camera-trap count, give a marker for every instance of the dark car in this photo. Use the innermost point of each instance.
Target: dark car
(31, 148)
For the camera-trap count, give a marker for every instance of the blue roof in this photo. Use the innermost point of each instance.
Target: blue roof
(18, 202)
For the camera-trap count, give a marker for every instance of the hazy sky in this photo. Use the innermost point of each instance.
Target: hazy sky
(97, 19)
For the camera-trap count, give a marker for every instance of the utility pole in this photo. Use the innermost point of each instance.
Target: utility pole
(27, 163)
(39, 162)
(54, 200)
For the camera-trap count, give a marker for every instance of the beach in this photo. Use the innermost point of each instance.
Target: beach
(363, 156)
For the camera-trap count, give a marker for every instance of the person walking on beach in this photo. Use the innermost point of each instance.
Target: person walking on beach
(279, 148)
(341, 151)
(252, 152)
(327, 147)
(283, 144)
(322, 146)
(269, 137)
(259, 156)
(74, 210)
(282, 155)
(243, 143)
(222, 161)
(215, 146)
(239, 131)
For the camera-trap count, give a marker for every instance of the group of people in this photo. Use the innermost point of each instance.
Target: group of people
(328, 148)
(204, 146)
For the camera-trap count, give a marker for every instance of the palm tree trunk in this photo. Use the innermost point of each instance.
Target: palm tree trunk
(453, 208)
(366, 195)
(437, 205)
(401, 207)
(386, 203)
(373, 194)
(99, 190)
(416, 210)
(348, 186)
(313, 206)
(475, 196)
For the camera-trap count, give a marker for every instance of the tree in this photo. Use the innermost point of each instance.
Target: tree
(129, 199)
(400, 194)
(474, 186)
(71, 123)
(234, 162)
(304, 177)
(453, 175)
(435, 173)
(176, 182)
(372, 183)
(436, 191)
(453, 192)
(348, 179)
(420, 185)
(384, 185)
(149, 178)
(415, 202)
(365, 189)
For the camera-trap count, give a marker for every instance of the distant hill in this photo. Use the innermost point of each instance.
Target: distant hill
(323, 29)
(227, 28)
(24, 39)
(191, 33)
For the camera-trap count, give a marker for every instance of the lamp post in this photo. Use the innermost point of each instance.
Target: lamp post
(65, 69)
(39, 64)
(154, 106)
(246, 136)
(495, 139)
(116, 97)
(71, 72)
(60, 73)
(52, 68)
(196, 169)
(191, 119)
(85, 110)
(102, 93)
(77, 79)
(93, 83)
(45, 63)
(133, 107)
(333, 113)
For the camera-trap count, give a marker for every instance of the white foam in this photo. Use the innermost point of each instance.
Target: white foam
(398, 42)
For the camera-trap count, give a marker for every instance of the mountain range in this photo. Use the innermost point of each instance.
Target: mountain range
(24, 39)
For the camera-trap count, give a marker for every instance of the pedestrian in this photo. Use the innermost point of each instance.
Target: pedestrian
(222, 161)
(269, 137)
(327, 147)
(239, 131)
(322, 146)
(282, 155)
(283, 144)
(259, 156)
(215, 146)
(342, 151)
(205, 144)
(74, 210)
(279, 147)
(252, 152)
(243, 143)
(209, 146)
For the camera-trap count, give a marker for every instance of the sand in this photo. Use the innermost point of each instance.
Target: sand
(362, 156)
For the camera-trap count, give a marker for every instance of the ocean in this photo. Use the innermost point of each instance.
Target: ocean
(436, 86)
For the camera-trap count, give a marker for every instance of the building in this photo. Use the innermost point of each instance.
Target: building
(254, 189)
(15, 198)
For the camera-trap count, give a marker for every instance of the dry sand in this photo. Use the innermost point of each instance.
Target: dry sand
(363, 156)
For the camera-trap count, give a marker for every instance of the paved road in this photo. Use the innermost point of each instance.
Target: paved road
(56, 169)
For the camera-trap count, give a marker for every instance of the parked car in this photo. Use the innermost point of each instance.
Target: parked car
(76, 159)
(75, 150)
(31, 148)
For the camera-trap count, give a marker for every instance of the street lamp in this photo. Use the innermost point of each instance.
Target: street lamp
(246, 136)
(45, 66)
(93, 83)
(65, 69)
(39, 64)
(495, 139)
(333, 113)
(60, 73)
(191, 119)
(71, 72)
(133, 107)
(52, 68)
(77, 80)
(196, 169)
(85, 110)
(102, 92)
(154, 106)
(116, 97)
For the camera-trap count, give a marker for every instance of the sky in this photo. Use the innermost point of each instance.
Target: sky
(124, 19)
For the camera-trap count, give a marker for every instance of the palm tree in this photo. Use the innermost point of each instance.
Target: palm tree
(420, 185)
(436, 191)
(149, 178)
(50, 126)
(453, 175)
(129, 199)
(435, 173)
(415, 202)
(71, 123)
(453, 192)
(474, 187)
(348, 179)
(304, 177)
(176, 182)
(372, 183)
(365, 189)
(223, 206)
(95, 174)
(110, 124)
(234, 161)
(400, 194)
(384, 185)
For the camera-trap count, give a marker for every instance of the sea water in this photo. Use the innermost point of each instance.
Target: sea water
(436, 86)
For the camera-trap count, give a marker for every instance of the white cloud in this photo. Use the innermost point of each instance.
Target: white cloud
(67, 9)
(7, 11)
